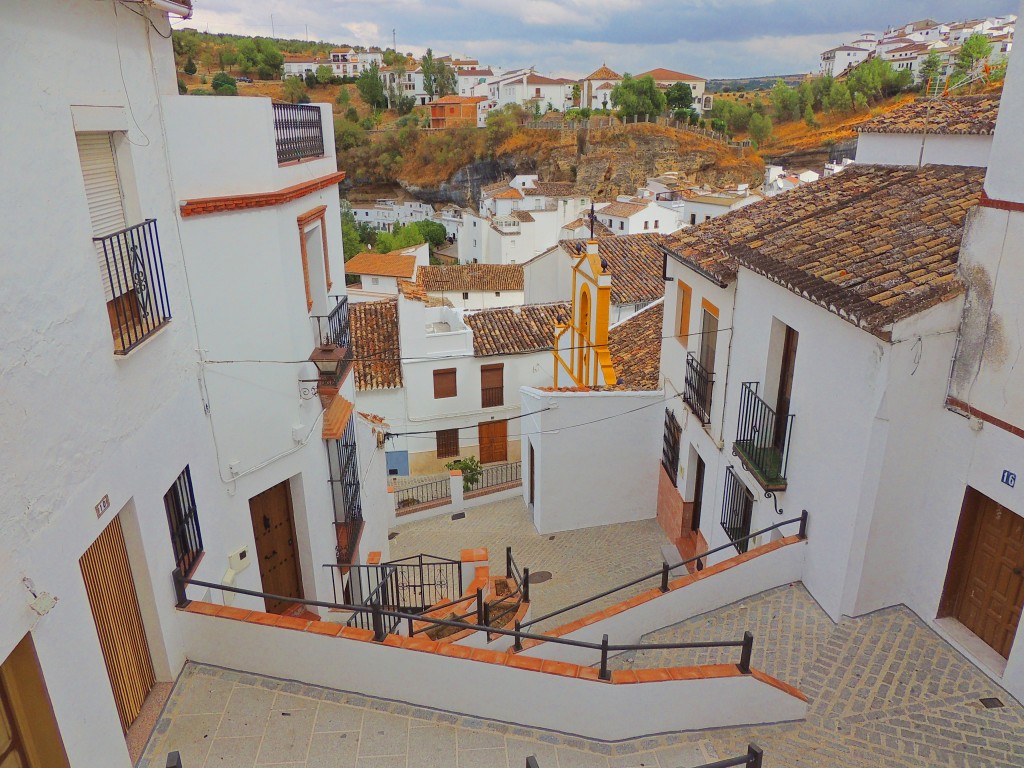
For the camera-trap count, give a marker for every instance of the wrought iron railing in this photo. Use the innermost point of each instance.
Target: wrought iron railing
(492, 397)
(335, 328)
(762, 439)
(737, 510)
(411, 584)
(670, 446)
(343, 463)
(697, 393)
(433, 490)
(499, 474)
(136, 283)
(299, 132)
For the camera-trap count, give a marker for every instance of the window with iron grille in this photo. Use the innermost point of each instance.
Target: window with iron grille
(447, 443)
(344, 476)
(183, 519)
(737, 510)
(670, 447)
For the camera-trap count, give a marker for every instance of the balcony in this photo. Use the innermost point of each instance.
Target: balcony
(299, 132)
(697, 389)
(133, 272)
(336, 328)
(492, 397)
(762, 439)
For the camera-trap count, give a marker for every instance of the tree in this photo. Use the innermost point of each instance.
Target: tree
(427, 64)
(679, 96)
(577, 92)
(809, 118)
(370, 87)
(930, 67)
(446, 79)
(344, 97)
(634, 96)
(785, 102)
(182, 88)
(432, 232)
(860, 103)
(974, 49)
(760, 128)
(400, 237)
(295, 91)
(839, 101)
(309, 79)
(324, 74)
(223, 84)
(348, 134)
(190, 66)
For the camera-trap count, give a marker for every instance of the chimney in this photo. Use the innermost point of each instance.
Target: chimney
(592, 246)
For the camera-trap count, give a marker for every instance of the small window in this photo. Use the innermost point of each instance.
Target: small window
(465, 295)
(374, 281)
(683, 296)
(183, 520)
(622, 225)
(444, 383)
(693, 219)
(655, 223)
(497, 293)
(492, 385)
(707, 218)
(647, 225)
(447, 443)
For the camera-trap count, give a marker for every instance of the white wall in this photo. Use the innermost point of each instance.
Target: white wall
(588, 708)
(481, 299)
(905, 149)
(548, 277)
(585, 474)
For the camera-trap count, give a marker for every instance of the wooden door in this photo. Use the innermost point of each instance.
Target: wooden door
(12, 748)
(493, 441)
(115, 611)
(785, 388)
(274, 529)
(985, 588)
(698, 496)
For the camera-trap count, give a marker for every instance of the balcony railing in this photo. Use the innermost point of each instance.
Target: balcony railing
(345, 492)
(697, 394)
(492, 397)
(336, 328)
(299, 132)
(498, 475)
(137, 302)
(762, 439)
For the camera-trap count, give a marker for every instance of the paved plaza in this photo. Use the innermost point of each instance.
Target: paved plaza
(582, 562)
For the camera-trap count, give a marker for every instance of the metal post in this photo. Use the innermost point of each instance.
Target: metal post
(803, 524)
(518, 644)
(173, 760)
(487, 615)
(410, 627)
(179, 588)
(664, 577)
(605, 673)
(754, 756)
(508, 562)
(480, 607)
(526, 585)
(378, 623)
(748, 648)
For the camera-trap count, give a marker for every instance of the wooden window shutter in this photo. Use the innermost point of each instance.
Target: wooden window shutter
(444, 383)
(103, 194)
(447, 443)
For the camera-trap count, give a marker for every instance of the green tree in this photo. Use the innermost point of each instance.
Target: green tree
(860, 102)
(190, 66)
(344, 97)
(760, 128)
(390, 57)
(309, 79)
(634, 96)
(502, 123)
(930, 67)
(295, 91)
(809, 118)
(324, 74)
(679, 96)
(428, 65)
(785, 102)
(839, 101)
(974, 49)
(400, 237)
(577, 91)
(432, 232)
(370, 87)
(182, 88)
(348, 134)
(446, 79)
(223, 84)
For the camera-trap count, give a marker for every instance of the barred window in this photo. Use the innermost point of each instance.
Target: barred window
(183, 520)
(447, 443)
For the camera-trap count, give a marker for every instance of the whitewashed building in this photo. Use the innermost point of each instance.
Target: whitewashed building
(633, 216)
(381, 273)
(193, 260)
(385, 214)
(473, 286)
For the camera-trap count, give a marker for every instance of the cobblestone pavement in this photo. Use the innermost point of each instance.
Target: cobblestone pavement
(218, 718)
(582, 562)
(885, 689)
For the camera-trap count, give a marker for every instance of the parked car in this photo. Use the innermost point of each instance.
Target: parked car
(243, 79)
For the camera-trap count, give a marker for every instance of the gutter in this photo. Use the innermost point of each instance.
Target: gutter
(182, 9)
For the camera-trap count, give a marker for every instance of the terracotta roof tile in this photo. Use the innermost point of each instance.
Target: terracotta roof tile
(515, 330)
(635, 345)
(551, 189)
(375, 344)
(509, 194)
(964, 115)
(622, 210)
(635, 263)
(603, 73)
(665, 75)
(872, 244)
(524, 216)
(471, 277)
(336, 418)
(394, 264)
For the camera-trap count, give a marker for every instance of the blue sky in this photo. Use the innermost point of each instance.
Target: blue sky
(710, 38)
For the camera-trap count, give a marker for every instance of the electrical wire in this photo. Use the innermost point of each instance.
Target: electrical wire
(137, 13)
(469, 426)
(120, 70)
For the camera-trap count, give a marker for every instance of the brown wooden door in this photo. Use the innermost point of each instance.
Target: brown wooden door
(274, 530)
(12, 748)
(785, 387)
(987, 571)
(115, 611)
(493, 441)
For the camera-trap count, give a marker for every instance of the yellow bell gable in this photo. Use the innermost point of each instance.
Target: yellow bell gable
(581, 341)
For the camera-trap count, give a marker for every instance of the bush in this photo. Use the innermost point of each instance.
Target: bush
(224, 84)
(295, 91)
(352, 115)
(470, 468)
(190, 66)
(310, 79)
(182, 88)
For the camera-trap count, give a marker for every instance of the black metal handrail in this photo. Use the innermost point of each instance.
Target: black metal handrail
(666, 570)
(379, 621)
(336, 328)
(697, 392)
(499, 474)
(492, 397)
(135, 279)
(761, 442)
(413, 584)
(753, 759)
(298, 130)
(423, 493)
